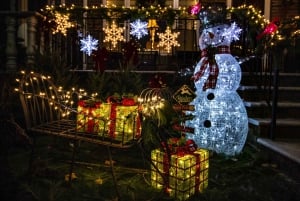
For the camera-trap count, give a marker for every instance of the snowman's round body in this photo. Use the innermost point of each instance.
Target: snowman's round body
(220, 119)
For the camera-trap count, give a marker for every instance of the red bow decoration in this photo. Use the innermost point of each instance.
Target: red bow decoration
(157, 81)
(128, 102)
(270, 28)
(101, 58)
(195, 9)
(131, 52)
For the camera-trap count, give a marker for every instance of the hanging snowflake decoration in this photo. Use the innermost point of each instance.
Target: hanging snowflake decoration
(114, 34)
(139, 28)
(88, 44)
(62, 23)
(168, 40)
(232, 33)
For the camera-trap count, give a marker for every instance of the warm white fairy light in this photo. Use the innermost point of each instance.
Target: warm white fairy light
(88, 44)
(114, 34)
(153, 99)
(62, 100)
(63, 23)
(168, 40)
(139, 28)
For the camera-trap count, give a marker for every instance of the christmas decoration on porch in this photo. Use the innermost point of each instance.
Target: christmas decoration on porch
(181, 173)
(114, 34)
(88, 44)
(62, 23)
(220, 119)
(271, 28)
(139, 28)
(178, 167)
(114, 120)
(152, 26)
(168, 40)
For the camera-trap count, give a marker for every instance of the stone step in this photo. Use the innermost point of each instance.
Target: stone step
(284, 147)
(285, 153)
(255, 93)
(261, 109)
(265, 78)
(285, 128)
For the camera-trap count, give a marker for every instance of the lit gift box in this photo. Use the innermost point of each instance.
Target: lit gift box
(182, 174)
(86, 116)
(115, 121)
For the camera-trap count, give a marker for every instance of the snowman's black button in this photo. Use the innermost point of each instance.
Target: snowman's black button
(210, 96)
(207, 124)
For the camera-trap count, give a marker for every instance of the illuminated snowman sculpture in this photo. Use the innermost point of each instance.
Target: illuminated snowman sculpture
(220, 119)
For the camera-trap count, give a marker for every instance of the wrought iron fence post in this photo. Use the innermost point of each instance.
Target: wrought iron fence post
(276, 61)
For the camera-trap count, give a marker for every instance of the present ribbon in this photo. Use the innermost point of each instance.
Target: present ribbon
(209, 62)
(113, 111)
(180, 150)
(188, 148)
(92, 126)
(90, 107)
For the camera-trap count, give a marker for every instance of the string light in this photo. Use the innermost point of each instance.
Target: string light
(62, 101)
(168, 39)
(186, 174)
(139, 28)
(151, 100)
(88, 44)
(114, 34)
(63, 23)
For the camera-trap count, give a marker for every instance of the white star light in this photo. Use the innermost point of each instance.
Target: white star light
(88, 44)
(232, 33)
(139, 28)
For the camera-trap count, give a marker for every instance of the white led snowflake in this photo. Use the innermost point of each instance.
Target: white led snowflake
(232, 33)
(88, 44)
(139, 28)
(168, 39)
(114, 34)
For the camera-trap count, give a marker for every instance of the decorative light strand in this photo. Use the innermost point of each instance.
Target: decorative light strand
(139, 28)
(168, 39)
(114, 34)
(88, 44)
(63, 23)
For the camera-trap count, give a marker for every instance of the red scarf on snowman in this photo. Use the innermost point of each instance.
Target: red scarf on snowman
(209, 62)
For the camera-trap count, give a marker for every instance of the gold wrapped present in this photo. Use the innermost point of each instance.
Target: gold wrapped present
(115, 121)
(186, 172)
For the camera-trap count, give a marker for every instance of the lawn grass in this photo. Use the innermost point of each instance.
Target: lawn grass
(247, 177)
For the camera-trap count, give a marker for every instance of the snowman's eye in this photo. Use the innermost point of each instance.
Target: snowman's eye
(207, 124)
(210, 96)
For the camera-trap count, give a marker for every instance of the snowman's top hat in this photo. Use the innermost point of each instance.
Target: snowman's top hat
(212, 14)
